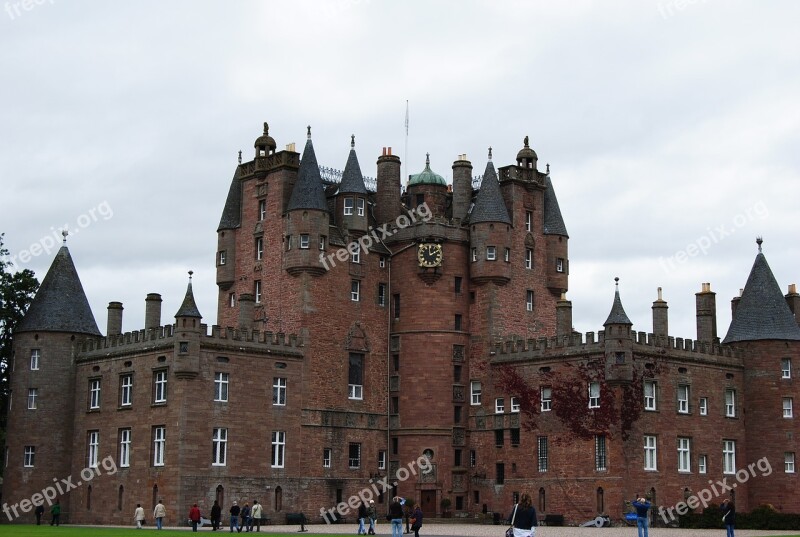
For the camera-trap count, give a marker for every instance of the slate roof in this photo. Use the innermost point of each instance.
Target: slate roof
(308, 191)
(352, 180)
(489, 204)
(553, 221)
(232, 212)
(617, 315)
(189, 306)
(762, 312)
(60, 305)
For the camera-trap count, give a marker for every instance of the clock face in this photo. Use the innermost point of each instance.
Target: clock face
(429, 255)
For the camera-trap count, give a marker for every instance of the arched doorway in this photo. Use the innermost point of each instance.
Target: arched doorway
(278, 498)
(220, 495)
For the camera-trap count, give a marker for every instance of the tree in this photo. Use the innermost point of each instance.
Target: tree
(16, 293)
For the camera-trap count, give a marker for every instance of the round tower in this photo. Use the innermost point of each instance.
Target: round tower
(490, 232)
(352, 196)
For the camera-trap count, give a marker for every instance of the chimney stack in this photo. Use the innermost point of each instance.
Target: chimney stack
(660, 317)
(735, 302)
(114, 326)
(246, 306)
(793, 299)
(563, 316)
(152, 311)
(387, 202)
(462, 188)
(706, 302)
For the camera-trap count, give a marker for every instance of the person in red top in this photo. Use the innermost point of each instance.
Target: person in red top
(194, 516)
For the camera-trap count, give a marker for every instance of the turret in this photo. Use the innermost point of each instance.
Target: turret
(526, 157)
(388, 206)
(230, 221)
(187, 336)
(556, 239)
(660, 317)
(428, 188)
(617, 342)
(706, 303)
(265, 145)
(462, 187)
(352, 196)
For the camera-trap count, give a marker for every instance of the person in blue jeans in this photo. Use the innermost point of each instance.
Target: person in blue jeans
(642, 507)
(728, 516)
(235, 510)
(396, 517)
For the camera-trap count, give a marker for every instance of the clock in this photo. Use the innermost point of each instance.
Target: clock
(429, 255)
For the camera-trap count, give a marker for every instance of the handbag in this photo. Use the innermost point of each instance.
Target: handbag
(510, 530)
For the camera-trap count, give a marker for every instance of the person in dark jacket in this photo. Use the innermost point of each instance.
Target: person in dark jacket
(642, 507)
(525, 519)
(728, 516)
(216, 516)
(39, 512)
(362, 518)
(235, 510)
(416, 518)
(395, 516)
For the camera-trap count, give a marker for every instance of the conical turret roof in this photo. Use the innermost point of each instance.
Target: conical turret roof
(352, 180)
(762, 312)
(553, 221)
(189, 306)
(60, 304)
(308, 191)
(232, 212)
(617, 315)
(489, 204)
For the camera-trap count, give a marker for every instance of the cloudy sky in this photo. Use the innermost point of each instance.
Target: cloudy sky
(672, 128)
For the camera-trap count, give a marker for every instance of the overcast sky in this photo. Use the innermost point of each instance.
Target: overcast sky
(672, 128)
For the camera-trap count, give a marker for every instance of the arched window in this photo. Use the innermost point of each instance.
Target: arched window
(542, 501)
(278, 498)
(601, 506)
(155, 495)
(220, 495)
(89, 498)
(119, 497)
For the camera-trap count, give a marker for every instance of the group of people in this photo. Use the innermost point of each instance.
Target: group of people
(55, 513)
(642, 507)
(245, 517)
(395, 517)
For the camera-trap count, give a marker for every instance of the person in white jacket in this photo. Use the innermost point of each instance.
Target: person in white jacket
(138, 516)
(159, 513)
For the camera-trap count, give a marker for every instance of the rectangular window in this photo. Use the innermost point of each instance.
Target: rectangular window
(262, 209)
(499, 437)
(279, 391)
(221, 381)
(348, 206)
(786, 367)
(787, 407)
(219, 449)
(475, 392)
(547, 399)
(160, 386)
(704, 406)
(474, 254)
(382, 262)
(382, 460)
(491, 253)
(684, 455)
(594, 395)
(528, 221)
(159, 445)
(259, 248)
(499, 405)
(305, 241)
(529, 300)
(355, 376)
(730, 403)
(35, 355)
(514, 437)
(354, 455)
(456, 457)
(94, 394)
(507, 255)
(702, 464)
(456, 414)
(650, 453)
(326, 457)
(600, 452)
(473, 458)
(126, 390)
(457, 370)
(322, 241)
(500, 473)
(650, 395)
(541, 448)
(788, 462)
(30, 456)
(514, 404)
(257, 291)
(728, 456)
(559, 264)
(94, 449)
(457, 322)
(288, 242)
(382, 294)
(221, 257)
(278, 448)
(396, 300)
(232, 300)
(360, 206)
(457, 284)
(683, 399)
(355, 290)
(124, 448)
(33, 393)
(528, 258)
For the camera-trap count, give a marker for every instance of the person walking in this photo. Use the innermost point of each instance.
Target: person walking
(642, 507)
(39, 512)
(159, 513)
(216, 516)
(728, 516)
(416, 520)
(245, 515)
(235, 510)
(194, 516)
(138, 516)
(362, 518)
(55, 513)
(373, 517)
(255, 516)
(395, 516)
(524, 518)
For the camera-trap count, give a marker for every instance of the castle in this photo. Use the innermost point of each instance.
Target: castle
(374, 340)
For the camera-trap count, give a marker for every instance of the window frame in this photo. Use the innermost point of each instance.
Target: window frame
(560, 262)
(279, 391)
(259, 248)
(278, 459)
(542, 455)
(499, 405)
(650, 445)
(353, 463)
(126, 390)
(29, 457)
(600, 453)
(360, 206)
(257, 291)
(528, 221)
(125, 438)
(491, 253)
(683, 402)
(262, 210)
(382, 459)
(729, 457)
(93, 448)
(684, 454)
(650, 401)
(94, 394)
(529, 258)
(786, 368)
(514, 404)
(704, 406)
(789, 462)
(305, 241)
(349, 205)
(326, 457)
(159, 445)
(730, 403)
(221, 386)
(219, 446)
(355, 291)
(33, 394)
(788, 411)
(160, 381)
(36, 355)
(546, 399)
(594, 400)
(475, 394)
(529, 300)
(702, 464)
(355, 390)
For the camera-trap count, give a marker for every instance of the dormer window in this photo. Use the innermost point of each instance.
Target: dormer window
(348, 206)
(360, 206)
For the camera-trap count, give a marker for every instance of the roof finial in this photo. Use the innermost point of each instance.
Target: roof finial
(190, 275)
(616, 282)
(352, 141)
(548, 168)
(759, 240)
(309, 132)
(240, 156)
(64, 233)
(427, 160)
(490, 152)
(266, 128)
(526, 141)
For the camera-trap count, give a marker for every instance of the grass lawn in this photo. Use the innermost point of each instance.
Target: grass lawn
(30, 530)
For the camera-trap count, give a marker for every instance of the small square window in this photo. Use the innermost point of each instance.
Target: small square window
(515, 404)
(355, 290)
(704, 406)
(786, 368)
(305, 241)
(348, 206)
(491, 253)
(499, 405)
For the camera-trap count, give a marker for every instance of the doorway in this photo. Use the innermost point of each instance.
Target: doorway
(427, 502)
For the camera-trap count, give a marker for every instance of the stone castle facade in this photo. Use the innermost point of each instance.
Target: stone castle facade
(366, 332)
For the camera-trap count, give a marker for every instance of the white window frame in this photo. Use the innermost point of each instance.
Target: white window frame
(355, 391)
(514, 403)
(33, 393)
(382, 262)
(499, 405)
(29, 457)
(787, 407)
(786, 368)
(650, 399)
(348, 206)
(546, 399)
(159, 445)
(683, 399)
(93, 453)
(528, 220)
(381, 460)
(559, 264)
(702, 464)
(36, 354)
(594, 395)
(529, 258)
(125, 447)
(353, 462)
(704, 406)
(326, 457)
(262, 210)
(221, 386)
(257, 291)
(475, 392)
(279, 391)
(355, 255)
(322, 242)
(684, 454)
(730, 403)
(529, 300)
(219, 443)
(126, 390)
(474, 255)
(222, 257)
(360, 205)
(507, 255)
(728, 457)
(259, 248)
(491, 253)
(355, 290)
(650, 453)
(160, 386)
(788, 462)
(278, 449)
(94, 394)
(232, 300)
(305, 241)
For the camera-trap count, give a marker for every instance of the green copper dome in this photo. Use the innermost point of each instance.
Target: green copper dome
(427, 176)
